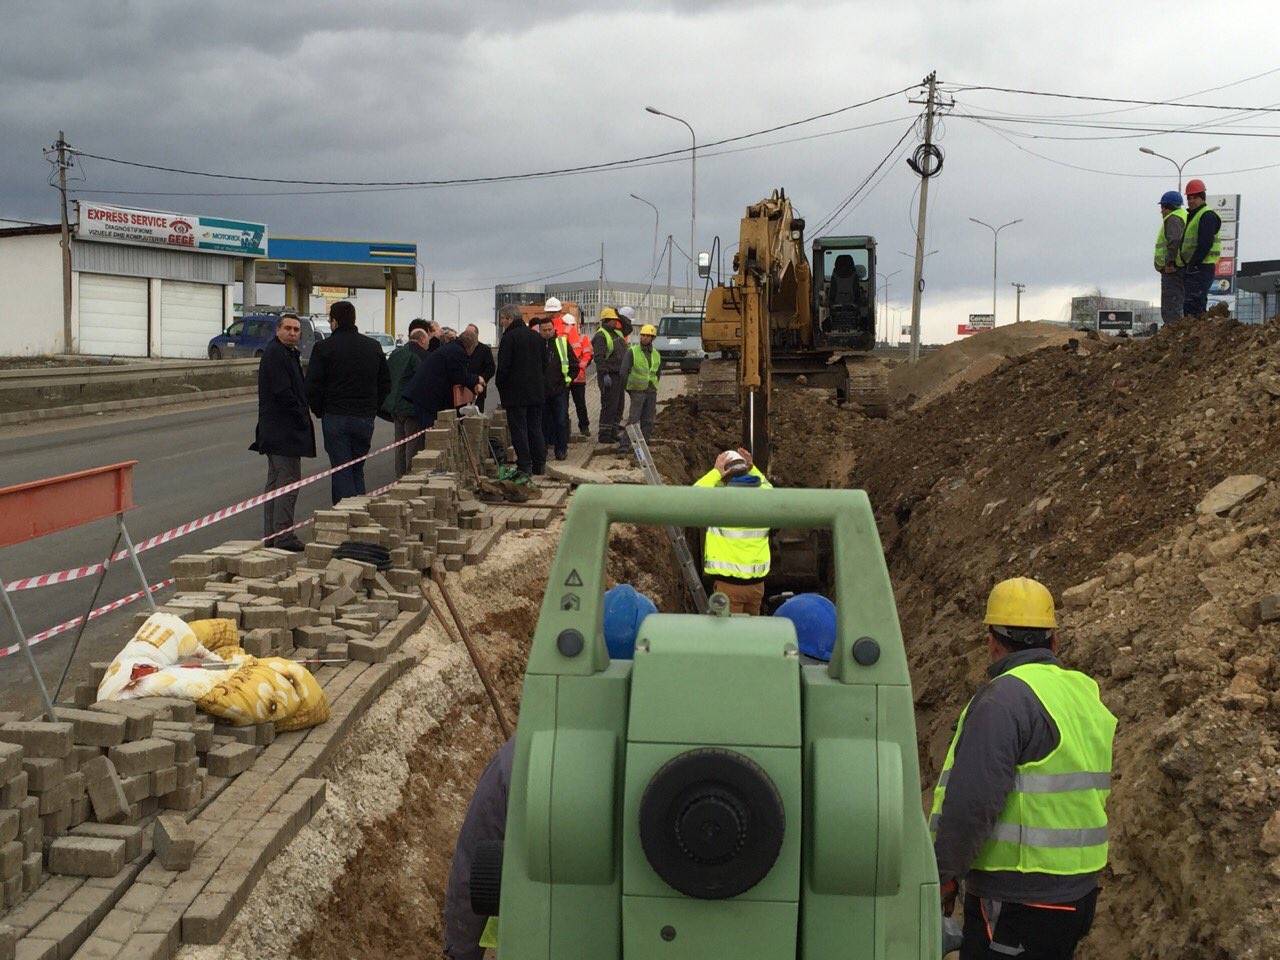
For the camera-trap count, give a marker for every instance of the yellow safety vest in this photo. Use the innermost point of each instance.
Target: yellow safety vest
(610, 339)
(644, 369)
(1191, 237)
(1055, 818)
(562, 349)
(735, 553)
(1162, 243)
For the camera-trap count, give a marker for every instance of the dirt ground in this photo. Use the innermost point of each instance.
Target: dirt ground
(1082, 464)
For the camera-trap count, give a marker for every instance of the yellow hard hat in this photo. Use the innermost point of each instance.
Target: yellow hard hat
(648, 330)
(1020, 602)
(608, 313)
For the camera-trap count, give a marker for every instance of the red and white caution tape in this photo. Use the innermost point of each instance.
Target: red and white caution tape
(77, 573)
(155, 587)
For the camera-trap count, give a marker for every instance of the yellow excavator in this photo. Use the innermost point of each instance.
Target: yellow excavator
(776, 318)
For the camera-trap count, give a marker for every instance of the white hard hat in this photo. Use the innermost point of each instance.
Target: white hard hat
(568, 320)
(628, 312)
(552, 305)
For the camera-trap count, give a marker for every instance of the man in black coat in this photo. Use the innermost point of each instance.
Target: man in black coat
(347, 380)
(520, 379)
(480, 362)
(284, 433)
(560, 371)
(431, 389)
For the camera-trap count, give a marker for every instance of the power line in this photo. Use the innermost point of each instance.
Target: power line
(549, 276)
(362, 190)
(1136, 131)
(830, 218)
(502, 178)
(1145, 103)
(29, 223)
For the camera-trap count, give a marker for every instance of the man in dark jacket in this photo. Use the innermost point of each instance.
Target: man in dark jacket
(347, 380)
(480, 362)
(561, 368)
(403, 364)
(521, 383)
(607, 347)
(1019, 813)
(1200, 250)
(284, 433)
(485, 822)
(431, 389)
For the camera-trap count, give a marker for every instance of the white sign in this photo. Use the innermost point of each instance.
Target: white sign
(173, 231)
(1223, 287)
(1225, 205)
(982, 321)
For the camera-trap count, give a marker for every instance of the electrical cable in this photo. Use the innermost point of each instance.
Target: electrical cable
(968, 88)
(1137, 131)
(830, 218)
(359, 190)
(502, 178)
(549, 276)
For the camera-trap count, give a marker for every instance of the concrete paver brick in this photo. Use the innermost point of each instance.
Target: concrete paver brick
(175, 846)
(179, 711)
(10, 823)
(32, 871)
(14, 790)
(29, 948)
(11, 856)
(131, 835)
(38, 738)
(86, 856)
(149, 946)
(141, 756)
(136, 788)
(231, 759)
(184, 744)
(164, 780)
(43, 773)
(93, 727)
(68, 930)
(10, 760)
(139, 721)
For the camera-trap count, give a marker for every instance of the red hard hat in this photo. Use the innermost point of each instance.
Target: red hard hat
(1195, 186)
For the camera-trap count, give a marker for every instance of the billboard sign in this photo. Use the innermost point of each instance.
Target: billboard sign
(982, 321)
(1223, 287)
(333, 293)
(1115, 320)
(173, 231)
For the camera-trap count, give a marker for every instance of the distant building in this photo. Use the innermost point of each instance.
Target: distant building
(650, 302)
(1085, 313)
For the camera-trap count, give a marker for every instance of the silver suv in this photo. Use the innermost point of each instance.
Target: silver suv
(680, 341)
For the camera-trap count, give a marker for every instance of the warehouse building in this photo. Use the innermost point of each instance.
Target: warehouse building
(650, 302)
(143, 283)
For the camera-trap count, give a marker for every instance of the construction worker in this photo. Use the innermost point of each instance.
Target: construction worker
(1168, 258)
(641, 366)
(736, 558)
(581, 345)
(627, 318)
(1019, 812)
(561, 368)
(607, 348)
(1201, 249)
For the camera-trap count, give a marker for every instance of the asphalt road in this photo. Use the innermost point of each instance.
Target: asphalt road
(190, 462)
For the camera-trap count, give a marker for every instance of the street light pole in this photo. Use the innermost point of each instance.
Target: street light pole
(885, 277)
(693, 193)
(653, 257)
(1178, 166)
(995, 257)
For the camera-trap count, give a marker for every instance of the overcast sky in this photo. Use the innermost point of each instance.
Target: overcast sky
(386, 90)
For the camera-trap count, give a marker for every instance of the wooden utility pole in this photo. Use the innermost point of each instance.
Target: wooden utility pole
(671, 302)
(917, 288)
(1018, 315)
(600, 287)
(63, 163)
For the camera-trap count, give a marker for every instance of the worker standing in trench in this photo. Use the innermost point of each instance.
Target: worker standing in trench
(736, 558)
(1020, 808)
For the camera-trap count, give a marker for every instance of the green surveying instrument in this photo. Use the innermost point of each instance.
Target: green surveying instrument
(714, 798)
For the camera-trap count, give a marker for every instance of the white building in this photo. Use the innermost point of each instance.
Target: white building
(143, 284)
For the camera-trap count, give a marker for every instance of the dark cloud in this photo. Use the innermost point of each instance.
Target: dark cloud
(390, 90)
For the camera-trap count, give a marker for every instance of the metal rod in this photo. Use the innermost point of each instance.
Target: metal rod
(26, 650)
(84, 621)
(471, 651)
(133, 555)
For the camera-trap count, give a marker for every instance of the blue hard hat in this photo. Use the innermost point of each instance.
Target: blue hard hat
(1171, 198)
(814, 617)
(625, 608)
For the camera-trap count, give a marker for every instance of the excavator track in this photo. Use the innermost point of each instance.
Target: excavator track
(867, 386)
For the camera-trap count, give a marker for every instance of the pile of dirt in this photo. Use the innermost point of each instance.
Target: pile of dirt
(941, 371)
(1072, 463)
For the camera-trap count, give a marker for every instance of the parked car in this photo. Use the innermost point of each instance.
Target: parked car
(679, 341)
(385, 340)
(250, 336)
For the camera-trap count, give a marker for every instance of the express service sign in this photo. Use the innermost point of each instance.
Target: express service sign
(152, 228)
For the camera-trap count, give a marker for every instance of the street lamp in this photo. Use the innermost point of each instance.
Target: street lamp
(653, 257)
(693, 194)
(885, 277)
(1179, 166)
(995, 256)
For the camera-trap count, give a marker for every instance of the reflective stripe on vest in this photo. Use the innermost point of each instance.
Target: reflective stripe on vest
(609, 336)
(1162, 245)
(1191, 237)
(735, 552)
(644, 369)
(562, 348)
(1054, 819)
(738, 533)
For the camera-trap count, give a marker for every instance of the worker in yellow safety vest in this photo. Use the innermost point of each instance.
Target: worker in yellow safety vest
(608, 346)
(641, 367)
(1019, 812)
(1168, 255)
(736, 558)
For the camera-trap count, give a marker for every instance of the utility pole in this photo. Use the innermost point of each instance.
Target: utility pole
(917, 288)
(670, 299)
(600, 286)
(433, 301)
(1017, 317)
(63, 163)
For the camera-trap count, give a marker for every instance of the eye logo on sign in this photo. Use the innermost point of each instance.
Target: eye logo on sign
(180, 226)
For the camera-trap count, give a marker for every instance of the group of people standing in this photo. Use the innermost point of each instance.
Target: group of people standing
(1188, 247)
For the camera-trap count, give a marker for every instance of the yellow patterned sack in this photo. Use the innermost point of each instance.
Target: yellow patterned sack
(164, 659)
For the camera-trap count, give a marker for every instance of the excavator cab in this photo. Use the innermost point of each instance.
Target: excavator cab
(844, 292)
